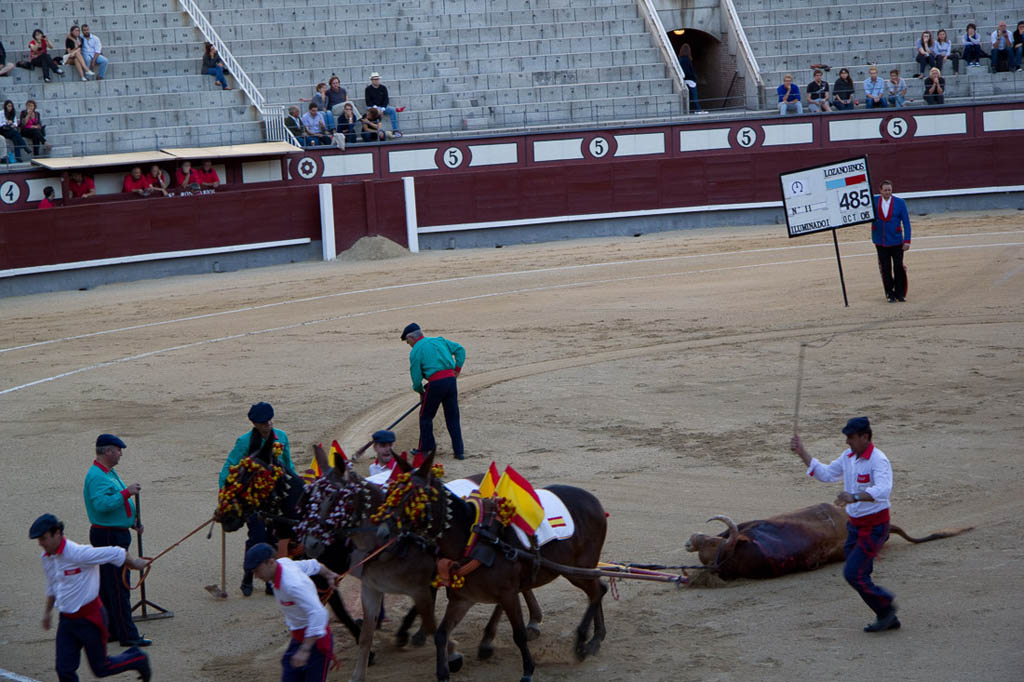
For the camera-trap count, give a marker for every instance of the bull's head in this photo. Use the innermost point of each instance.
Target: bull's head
(714, 550)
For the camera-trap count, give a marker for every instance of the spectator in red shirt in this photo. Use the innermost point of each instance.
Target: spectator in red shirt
(81, 187)
(157, 184)
(135, 182)
(47, 201)
(186, 176)
(208, 178)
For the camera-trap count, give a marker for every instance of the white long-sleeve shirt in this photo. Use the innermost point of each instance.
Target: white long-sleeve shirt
(73, 573)
(297, 596)
(91, 46)
(870, 473)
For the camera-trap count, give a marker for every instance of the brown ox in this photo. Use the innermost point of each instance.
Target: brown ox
(801, 540)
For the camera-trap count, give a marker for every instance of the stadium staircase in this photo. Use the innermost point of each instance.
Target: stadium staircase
(458, 65)
(788, 36)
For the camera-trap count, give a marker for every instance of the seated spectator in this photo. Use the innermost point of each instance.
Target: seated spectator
(38, 55)
(789, 97)
(1002, 49)
(92, 53)
(376, 96)
(842, 92)
(30, 125)
(337, 97)
(320, 100)
(1017, 55)
(47, 201)
(157, 183)
(349, 122)
(817, 93)
(294, 124)
(689, 75)
(934, 87)
(186, 177)
(874, 89)
(373, 126)
(5, 66)
(73, 53)
(314, 126)
(942, 50)
(81, 187)
(895, 90)
(136, 183)
(213, 66)
(9, 129)
(972, 46)
(925, 58)
(208, 178)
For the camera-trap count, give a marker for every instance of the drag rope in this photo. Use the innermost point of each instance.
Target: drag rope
(330, 587)
(149, 562)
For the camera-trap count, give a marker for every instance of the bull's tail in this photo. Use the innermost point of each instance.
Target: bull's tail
(947, 533)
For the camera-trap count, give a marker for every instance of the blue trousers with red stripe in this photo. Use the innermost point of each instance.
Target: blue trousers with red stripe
(114, 595)
(315, 669)
(74, 634)
(438, 393)
(861, 548)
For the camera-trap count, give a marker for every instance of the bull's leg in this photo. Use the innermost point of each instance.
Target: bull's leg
(595, 591)
(536, 616)
(371, 609)
(510, 602)
(447, 660)
(486, 648)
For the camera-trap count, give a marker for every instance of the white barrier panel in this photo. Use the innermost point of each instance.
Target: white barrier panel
(412, 233)
(327, 222)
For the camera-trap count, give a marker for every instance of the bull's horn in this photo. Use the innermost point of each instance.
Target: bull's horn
(727, 521)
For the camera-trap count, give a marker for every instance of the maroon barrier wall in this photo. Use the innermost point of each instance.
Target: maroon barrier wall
(132, 227)
(368, 208)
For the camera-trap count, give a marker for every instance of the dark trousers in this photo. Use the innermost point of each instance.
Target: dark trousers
(74, 634)
(12, 134)
(862, 546)
(45, 61)
(925, 61)
(114, 595)
(257, 533)
(37, 137)
(315, 669)
(437, 393)
(894, 275)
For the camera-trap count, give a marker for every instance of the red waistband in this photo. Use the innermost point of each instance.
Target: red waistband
(92, 612)
(324, 644)
(443, 374)
(875, 519)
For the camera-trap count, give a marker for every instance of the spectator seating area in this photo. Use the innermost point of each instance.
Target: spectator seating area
(788, 36)
(153, 95)
(457, 64)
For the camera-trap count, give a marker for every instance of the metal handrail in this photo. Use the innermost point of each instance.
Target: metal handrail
(657, 30)
(272, 115)
(736, 29)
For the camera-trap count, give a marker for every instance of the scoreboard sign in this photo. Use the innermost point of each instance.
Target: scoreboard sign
(827, 197)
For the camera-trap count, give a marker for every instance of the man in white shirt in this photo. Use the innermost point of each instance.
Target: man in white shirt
(311, 650)
(73, 585)
(1002, 45)
(867, 484)
(92, 53)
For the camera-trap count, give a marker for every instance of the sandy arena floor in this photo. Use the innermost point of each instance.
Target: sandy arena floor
(658, 372)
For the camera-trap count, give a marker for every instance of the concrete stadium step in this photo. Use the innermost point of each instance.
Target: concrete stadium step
(145, 139)
(437, 6)
(791, 38)
(387, 12)
(56, 28)
(70, 86)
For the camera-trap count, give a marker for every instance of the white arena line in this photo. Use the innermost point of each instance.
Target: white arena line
(448, 280)
(509, 292)
(8, 675)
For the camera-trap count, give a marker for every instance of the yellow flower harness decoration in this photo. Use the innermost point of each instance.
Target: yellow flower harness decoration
(240, 492)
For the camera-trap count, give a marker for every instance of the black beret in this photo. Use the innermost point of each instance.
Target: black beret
(109, 439)
(44, 524)
(261, 413)
(409, 329)
(857, 425)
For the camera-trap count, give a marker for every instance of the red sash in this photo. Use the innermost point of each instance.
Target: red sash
(92, 612)
(324, 645)
(443, 374)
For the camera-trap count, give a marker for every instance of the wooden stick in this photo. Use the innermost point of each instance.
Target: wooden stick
(799, 384)
(223, 560)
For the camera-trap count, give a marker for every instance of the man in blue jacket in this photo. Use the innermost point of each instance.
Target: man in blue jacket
(890, 232)
(439, 361)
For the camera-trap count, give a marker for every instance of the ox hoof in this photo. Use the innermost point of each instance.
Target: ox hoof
(419, 639)
(485, 651)
(372, 659)
(401, 639)
(532, 632)
(455, 663)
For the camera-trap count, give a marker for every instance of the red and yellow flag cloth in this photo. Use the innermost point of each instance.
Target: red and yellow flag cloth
(490, 481)
(513, 487)
(313, 472)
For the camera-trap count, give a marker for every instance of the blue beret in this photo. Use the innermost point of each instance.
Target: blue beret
(384, 436)
(261, 413)
(857, 425)
(109, 439)
(43, 525)
(409, 329)
(257, 554)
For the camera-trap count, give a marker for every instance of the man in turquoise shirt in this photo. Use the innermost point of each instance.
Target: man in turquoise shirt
(439, 361)
(111, 510)
(262, 417)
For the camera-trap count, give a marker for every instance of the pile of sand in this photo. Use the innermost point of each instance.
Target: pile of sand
(374, 248)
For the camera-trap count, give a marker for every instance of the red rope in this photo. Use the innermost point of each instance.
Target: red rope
(145, 571)
(330, 588)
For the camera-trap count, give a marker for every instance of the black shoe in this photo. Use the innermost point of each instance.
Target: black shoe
(246, 589)
(901, 299)
(141, 641)
(269, 589)
(459, 455)
(145, 671)
(886, 621)
(891, 299)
